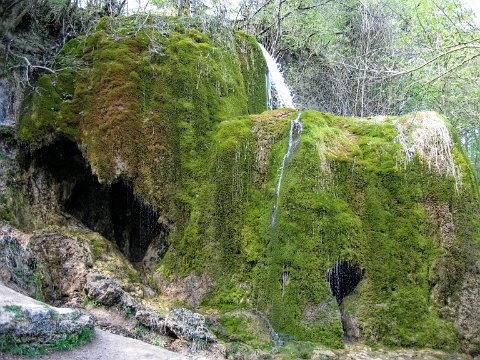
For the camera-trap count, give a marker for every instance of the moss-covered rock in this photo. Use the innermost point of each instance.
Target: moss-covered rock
(164, 106)
(141, 99)
(351, 192)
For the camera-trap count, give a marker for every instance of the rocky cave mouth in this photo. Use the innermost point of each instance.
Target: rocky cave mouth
(111, 210)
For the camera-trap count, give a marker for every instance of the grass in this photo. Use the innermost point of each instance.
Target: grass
(17, 310)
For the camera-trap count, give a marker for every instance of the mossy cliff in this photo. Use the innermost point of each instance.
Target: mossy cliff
(359, 190)
(141, 98)
(167, 110)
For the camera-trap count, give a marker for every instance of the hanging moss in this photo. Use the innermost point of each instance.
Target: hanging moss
(141, 100)
(347, 194)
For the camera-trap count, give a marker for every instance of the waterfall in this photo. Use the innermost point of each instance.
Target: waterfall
(296, 129)
(343, 278)
(268, 80)
(275, 78)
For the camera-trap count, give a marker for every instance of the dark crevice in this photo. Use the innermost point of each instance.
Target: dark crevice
(111, 210)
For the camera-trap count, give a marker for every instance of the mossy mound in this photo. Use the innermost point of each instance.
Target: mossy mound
(351, 192)
(166, 107)
(140, 98)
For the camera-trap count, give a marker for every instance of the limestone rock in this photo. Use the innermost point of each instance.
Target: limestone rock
(66, 262)
(469, 314)
(188, 325)
(323, 355)
(104, 290)
(27, 322)
(151, 319)
(191, 289)
(18, 263)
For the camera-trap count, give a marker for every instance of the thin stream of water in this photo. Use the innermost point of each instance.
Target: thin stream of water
(284, 98)
(296, 129)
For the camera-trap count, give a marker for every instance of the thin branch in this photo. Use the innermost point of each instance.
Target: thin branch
(453, 68)
(439, 56)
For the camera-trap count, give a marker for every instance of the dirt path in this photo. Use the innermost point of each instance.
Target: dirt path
(107, 346)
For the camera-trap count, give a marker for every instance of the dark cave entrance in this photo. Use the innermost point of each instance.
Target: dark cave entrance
(112, 210)
(343, 278)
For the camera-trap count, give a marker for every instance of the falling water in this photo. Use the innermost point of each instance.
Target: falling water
(275, 78)
(268, 80)
(296, 128)
(343, 278)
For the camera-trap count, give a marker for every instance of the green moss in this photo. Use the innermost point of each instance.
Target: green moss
(244, 327)
(130, 85)
(346, 195)
(161, 109)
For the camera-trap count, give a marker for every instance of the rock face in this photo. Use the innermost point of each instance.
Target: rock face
(191, 289)
(62, 263)
(104, 290)
(26, 324)
(65, 261)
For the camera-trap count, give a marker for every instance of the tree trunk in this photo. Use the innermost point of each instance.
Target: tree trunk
(180, 7)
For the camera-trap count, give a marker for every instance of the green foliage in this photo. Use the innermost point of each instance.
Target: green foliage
(362, 58)
(86, 301)
(140, 331)
(15, 309)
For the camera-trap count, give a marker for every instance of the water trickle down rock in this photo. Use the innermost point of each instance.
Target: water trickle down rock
(275, 79)
(343, 277)
(426, 135)
(296, 129)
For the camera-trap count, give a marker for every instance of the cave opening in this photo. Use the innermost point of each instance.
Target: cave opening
(343, 278)
(111, 210)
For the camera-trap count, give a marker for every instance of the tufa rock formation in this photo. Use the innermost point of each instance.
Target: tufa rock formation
(151, 148)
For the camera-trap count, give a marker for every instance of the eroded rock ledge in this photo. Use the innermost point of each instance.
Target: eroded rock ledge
(29, 326)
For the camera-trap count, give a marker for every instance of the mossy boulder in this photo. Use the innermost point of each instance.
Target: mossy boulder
(396, 196)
